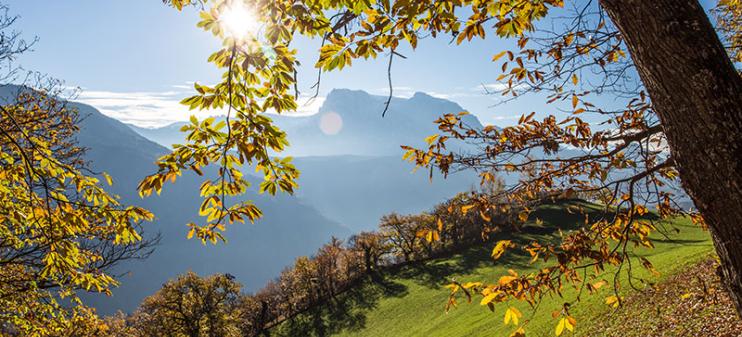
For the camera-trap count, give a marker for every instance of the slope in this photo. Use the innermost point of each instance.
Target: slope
(411, 300)
(356, 191)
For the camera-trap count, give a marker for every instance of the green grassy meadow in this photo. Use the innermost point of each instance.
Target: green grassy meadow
(410, 301)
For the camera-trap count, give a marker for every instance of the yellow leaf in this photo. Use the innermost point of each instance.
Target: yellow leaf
(569, 38)
(512, 314)
(574, 79)
(599, 284)
(489, 298)
(432, 236)
(575, 100)
(560, 327)
(570, 323)
(466, 208)
(498, 55)
(108, 179)
(500, 248)
(506, 279)
(523, 216)
(191, 232)
(468, 285)
(612, 301)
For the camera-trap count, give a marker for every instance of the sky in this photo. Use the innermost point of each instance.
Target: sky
(135, 60)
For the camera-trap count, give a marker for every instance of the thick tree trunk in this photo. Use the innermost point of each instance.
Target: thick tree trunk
(697, 94)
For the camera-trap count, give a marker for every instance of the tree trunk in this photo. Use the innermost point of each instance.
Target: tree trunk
(264, 319)
(697, 94)
(367, 259)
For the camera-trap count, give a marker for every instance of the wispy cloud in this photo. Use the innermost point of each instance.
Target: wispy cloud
(407, 92)
(308, 106)
(454, 95)
(398, 91)
(146, 109)
(496, 87)
(160, 108)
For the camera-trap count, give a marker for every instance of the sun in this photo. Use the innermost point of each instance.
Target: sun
(238, 21)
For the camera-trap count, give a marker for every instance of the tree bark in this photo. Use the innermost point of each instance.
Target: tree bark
(697, 94)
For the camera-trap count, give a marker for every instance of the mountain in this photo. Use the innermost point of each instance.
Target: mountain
(254, 253)
(349, 123)
(357, 175)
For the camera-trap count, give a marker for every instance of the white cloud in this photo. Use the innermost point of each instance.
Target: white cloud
(408, 92)
(155, 109)
(496, 87)
(398, 91)
(491, 87)
(308, 106)
(146, 109)
(453, 95)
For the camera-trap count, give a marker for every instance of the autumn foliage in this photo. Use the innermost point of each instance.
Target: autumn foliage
(61, 231)
(59, 223)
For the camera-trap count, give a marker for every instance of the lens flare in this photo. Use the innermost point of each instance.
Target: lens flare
(330, 123)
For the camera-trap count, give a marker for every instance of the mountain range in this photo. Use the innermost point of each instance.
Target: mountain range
(349, 122)
(363, 156)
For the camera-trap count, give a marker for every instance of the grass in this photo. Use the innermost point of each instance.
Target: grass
(410, 301)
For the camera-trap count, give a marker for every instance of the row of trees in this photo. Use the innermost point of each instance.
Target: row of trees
(213, 306)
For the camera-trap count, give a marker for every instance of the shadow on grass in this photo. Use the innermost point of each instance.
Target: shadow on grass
(347, 312)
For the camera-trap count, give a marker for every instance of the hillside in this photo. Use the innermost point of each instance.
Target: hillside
(410, 301)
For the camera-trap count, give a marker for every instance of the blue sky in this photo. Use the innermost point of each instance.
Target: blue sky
(135, 60)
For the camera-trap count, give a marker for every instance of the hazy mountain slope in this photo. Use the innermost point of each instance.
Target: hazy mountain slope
(254, 254)
(165, 136)
(357, 191)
